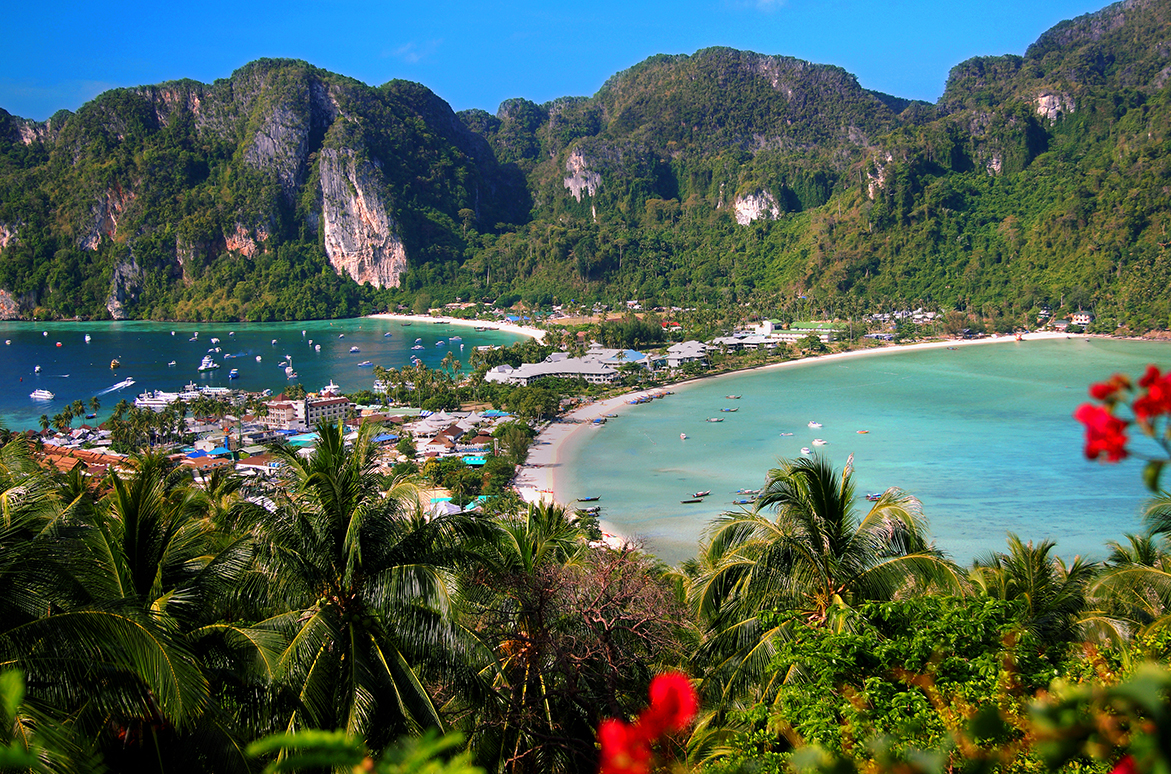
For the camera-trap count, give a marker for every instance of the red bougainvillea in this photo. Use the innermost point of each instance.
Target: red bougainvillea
(1149, 404)
(626, 748)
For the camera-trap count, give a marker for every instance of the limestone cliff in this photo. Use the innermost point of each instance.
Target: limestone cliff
(104, 215)
(124, 287)
(361, 238)
(580, 179)
(754, 206)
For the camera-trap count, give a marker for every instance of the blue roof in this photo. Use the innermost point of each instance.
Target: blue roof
(385, 437)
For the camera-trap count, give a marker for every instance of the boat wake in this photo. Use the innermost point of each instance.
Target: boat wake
(120, 385)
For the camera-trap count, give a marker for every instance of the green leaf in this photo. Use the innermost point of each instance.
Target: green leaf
(1151, 473)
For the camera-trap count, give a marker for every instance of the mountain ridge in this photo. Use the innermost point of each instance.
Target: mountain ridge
(288, 191)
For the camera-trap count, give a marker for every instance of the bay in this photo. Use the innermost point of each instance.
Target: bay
(78, 370)
(982, 434)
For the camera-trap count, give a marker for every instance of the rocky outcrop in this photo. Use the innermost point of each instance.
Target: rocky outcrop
(247, 243)
(104, 217)
(280, 142)
(7, 235)
(361, 239)
(1053, 106)
(13, 307)
(124, 287)
(876, 179)
(580, 178)
(754, 206)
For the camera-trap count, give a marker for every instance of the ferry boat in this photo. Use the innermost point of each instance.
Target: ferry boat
(41, 395)
(331, 389)
(207, 364)
(157, 400)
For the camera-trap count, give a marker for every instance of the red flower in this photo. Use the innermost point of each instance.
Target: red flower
(624, 748)
(1107, 390)
(1157, 398)
(1125, 766)
(1104, 432)
(673, 705)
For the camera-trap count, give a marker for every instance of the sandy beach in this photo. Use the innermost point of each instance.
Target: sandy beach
(538, 479)
(520, 330)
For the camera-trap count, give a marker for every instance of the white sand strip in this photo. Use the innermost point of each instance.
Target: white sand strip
(520, 330)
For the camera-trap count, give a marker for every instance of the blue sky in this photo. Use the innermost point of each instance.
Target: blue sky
(477, 54)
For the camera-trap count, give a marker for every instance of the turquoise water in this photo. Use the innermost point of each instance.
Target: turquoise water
(983, 435)
(78, 370)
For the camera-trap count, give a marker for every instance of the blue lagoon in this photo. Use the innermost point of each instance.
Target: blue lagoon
(982, 434)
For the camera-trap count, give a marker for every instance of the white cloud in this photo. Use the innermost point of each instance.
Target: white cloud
(414, 52)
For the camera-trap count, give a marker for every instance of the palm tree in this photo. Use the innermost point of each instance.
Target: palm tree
(1053, 593)
(817, 557)
(143, 589)
(368, 581)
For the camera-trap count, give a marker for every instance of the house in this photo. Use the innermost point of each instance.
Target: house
(685, 352)
(1083, 319)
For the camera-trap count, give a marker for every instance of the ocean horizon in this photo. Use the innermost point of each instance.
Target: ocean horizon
(983, 435)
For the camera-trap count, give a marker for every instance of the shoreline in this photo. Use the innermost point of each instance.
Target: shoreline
(538, 479)
(520, 330)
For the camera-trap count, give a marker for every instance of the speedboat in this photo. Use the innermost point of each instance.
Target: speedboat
(814, 424)
(354, 349)
(233, 374)
(386, 335)
(439, 343)
(874, 496)
(418, 341)
(87, 338)
(341, 335)
(806, 450)
(365, 364)
(36, 369)
(683, 436)
(171, 363)
(316, 347)
(207, 364)
(258, 358)
(214, 340)
(417, 346)
(819, 442)
(123, 384)
(456, 338)
(783, 435)
(41, 395)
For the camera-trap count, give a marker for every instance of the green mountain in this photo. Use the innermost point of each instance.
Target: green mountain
(721, 177)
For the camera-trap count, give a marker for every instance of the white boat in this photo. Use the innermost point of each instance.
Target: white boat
(207, 364)
(386, 335)
(814, 424)
(290, 374)
(806, 450)
(274, 342)
(87, 338)
(354, 349)
(784, 435)
(439, 343)
(456, 338)
(715, 419)
(171, 363)
(818, 442)
(316, 347)
(156, 401)
(41, 395)
(123, 384)
(289, 371)
(683, 436)
(341, 335)
(418, 341)
(36, 369)
(233, 374)
(214, 340)
(366, 364)
(258, 358)
(417, 346)
(331, 389)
